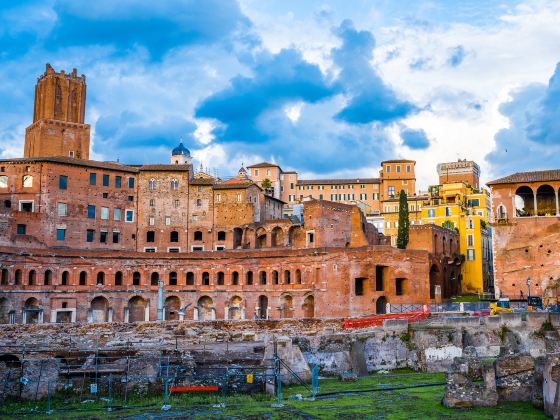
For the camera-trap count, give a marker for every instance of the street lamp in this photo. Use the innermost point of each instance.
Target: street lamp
(528, 287)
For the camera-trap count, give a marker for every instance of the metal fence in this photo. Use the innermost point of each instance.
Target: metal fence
(451, 307)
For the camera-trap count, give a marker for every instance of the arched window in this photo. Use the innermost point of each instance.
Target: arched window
(136, 278)
(65, 280)
(118, 278)
(174, 184)
(198, 202)
(524, 202)
(17, 277)
(275, 277)
(173, 278)
(546, 201)
(287, 277)
(48, 278)
(152, 184)
(100, 278)
(298, 276)
(4, 277)
(249, 277)
(501, 212)
(154, 279)
(235, 278)
(174, 236)
(27, 181)
(83, 278)
(190, 278)
(31, 277)
(262, 277)
(220, 278)
(198, 235)
(206, 279)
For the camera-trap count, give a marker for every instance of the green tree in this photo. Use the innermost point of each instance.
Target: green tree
(404, 221)
(266, 184)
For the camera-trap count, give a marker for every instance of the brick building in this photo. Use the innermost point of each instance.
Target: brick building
(93, 241)
(526, 233)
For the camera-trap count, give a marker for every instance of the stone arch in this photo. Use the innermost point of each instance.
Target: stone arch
(277, 237)
(99, 309)
(381, 305)
(4, 310)
(287, 277)
(65, 278)
(262, 312)
(172, 279)
(237, 238)
(235, 310)
(261, 238)
(5, 277)
(249, 238)
(298, 276)
(286, 306)
(524, 202)
(546, 201)
(292, 233)
(47, 278)
(100, 278)
(205, 307)
(172, 307)
(434, 280)
(308, 306)
(154, 278)
(32, 277)
(137, 309)
(17, 277)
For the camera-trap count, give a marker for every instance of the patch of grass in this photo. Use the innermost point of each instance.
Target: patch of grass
(466, 298)
(503, 332)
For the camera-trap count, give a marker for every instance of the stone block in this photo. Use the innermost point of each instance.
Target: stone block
(511, 320)
(536, 319)
(462, 321)
(395, 324)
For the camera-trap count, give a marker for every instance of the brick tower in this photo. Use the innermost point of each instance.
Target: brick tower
(58, 127)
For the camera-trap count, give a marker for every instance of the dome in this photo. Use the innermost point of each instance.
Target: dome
(180, 151)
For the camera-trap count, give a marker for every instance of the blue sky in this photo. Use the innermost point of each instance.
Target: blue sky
(328, 88)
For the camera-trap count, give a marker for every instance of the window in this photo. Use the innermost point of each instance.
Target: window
(129, 215)
(470, 255)
(27, 181)
(3, 181)
(152, 184)
(320, 196)
(60, 234)
(116, 236)
(198, 235)
(152, 221)
(448, 211)
(83, 278)
(376, 196)
(136, 278)
(177, 203)
(400, 286)
(310, 237)
(220, 278)
(105, 180)
(391, 191)
(90, 233)
(91, 211)
(174, 184)
(470, 240)
(379, 278)
(431, 213)
(103, 237)
(173, 249)
(235, 278)
(239, 197)
(198, 202)
(255, 172)
(407, 168)
(206, 278)
(388, 169)
(130, 198)
(218, 198)
(249, 277)
(65, 276)
(398, 168)
(150, 236)
(104, 213)
(199, 188)
(130, 182)
(92, 178)
(63, 182)
(118, 278)
(174, 236)
(291, 185)
(118, 180)
(359, 286)
(221, 236)
(190, 278)
(62, 209)
(474, 202)
(149, 249)
(116, 214)
(21, 229)
(363, 196)
(167, 220)
(173, 278)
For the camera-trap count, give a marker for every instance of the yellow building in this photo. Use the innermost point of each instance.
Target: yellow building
(390, 210)
(458, 206)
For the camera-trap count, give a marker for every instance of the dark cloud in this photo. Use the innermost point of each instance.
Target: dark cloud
(369, 98)
(415, 139)
(277, 80)
(532, 140)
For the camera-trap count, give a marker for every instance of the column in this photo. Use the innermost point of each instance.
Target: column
(213, 314)
(243, 312)
(226, 313)
(90, 316)
(535, 203)
(557, 206)
(41, 315)
(24, 317)
(195, 314)
(125, 314)
(147, 311)
(53, 315)
(73, 315)
(110, 315)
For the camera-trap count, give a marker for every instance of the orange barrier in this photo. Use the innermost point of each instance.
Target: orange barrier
(377, 320)
(209, 388)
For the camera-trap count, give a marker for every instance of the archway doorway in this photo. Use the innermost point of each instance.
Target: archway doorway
(381, 305)
(205, 307)
(263, 307)
(136, 309)
(235, 308)
(309, 307)
(99, 310)
(172, 307)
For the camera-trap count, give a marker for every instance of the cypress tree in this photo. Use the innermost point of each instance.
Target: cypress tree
(404, 222)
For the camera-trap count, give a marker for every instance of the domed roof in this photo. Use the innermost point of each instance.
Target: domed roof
(180, 150)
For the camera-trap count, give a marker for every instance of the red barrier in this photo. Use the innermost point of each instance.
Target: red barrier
(209, 388)
(377, 320)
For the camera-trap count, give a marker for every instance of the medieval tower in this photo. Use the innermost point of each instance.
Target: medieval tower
(58, 127)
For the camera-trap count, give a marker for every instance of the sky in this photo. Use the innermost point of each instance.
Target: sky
(327, 88)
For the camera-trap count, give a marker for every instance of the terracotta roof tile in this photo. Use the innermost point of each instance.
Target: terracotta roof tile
(166, 167)
(535, 176)
(263, 165)
(339, 181)
(77, 162)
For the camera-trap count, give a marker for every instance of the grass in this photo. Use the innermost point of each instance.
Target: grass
(466, 298)
(408, 403)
